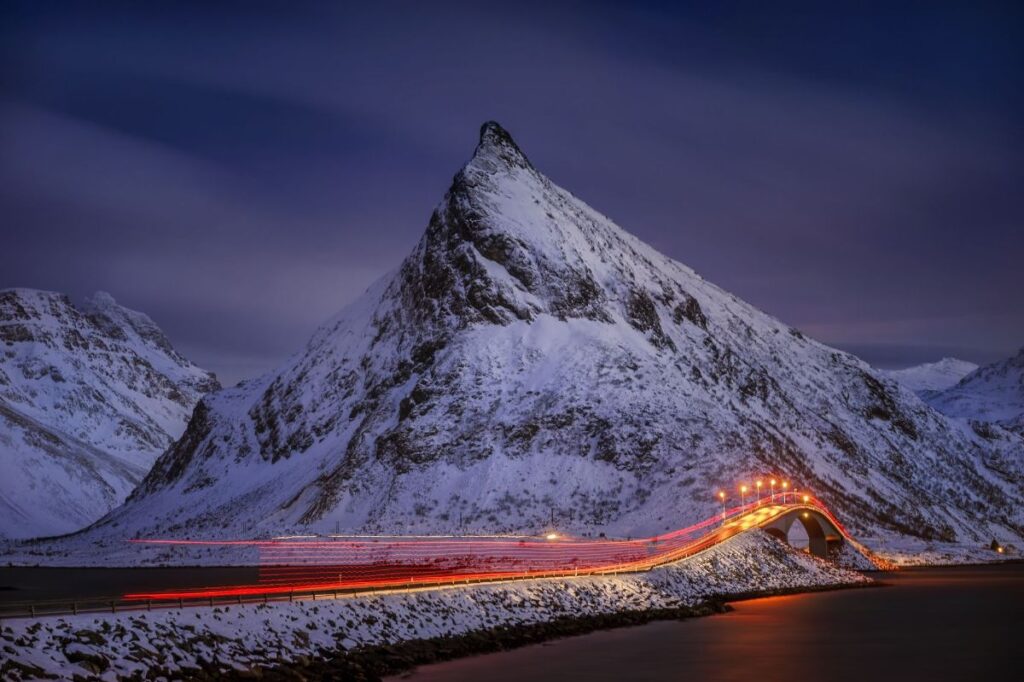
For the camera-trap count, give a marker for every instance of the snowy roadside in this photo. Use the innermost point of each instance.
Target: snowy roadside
(915, 552)
(256, 636)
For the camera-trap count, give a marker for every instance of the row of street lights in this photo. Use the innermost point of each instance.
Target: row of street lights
(758, 484)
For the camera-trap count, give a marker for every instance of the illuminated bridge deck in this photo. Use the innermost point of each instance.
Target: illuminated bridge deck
(303, 564)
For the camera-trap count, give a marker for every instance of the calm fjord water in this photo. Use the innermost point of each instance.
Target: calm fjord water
(927, 624)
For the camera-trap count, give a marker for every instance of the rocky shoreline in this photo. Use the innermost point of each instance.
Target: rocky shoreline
(375, 663)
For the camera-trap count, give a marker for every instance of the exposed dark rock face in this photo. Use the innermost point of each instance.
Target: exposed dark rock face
(644, 317)
(690, 310)
(173, 464)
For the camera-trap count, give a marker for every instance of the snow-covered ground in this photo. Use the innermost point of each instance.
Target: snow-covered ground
(90, 395)
(251, 636)
(916, 552)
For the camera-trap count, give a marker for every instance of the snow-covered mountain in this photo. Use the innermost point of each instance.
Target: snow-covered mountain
(993, 393)
(931, 377)
(89, 397)
(532, 361)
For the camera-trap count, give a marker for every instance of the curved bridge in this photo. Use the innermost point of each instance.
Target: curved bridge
(301, 564)
(328, 566)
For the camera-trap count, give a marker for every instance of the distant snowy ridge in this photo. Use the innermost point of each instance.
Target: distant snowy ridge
(530, 363)
(932, 376)
(993, 393)
(89, 397)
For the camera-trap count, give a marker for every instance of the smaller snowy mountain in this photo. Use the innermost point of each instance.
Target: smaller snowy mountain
(89, 397)
(993, 393)
(931, 376)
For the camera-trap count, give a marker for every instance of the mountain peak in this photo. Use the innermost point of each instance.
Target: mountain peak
(101, 299)
(496, 145)
(993, 393)
(506, 244)
(531, 359)
(932, 376)
(491, 132)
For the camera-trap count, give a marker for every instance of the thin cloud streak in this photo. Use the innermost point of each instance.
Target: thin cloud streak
(243, 185)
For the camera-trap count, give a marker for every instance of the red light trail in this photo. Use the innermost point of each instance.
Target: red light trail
(356, 563)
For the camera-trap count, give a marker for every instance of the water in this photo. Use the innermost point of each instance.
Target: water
(928, 624)
(35, 583)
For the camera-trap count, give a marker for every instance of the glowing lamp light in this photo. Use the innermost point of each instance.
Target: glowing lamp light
(743, 489)
(721, 495)
(806, 499)
(551, 536)
(772, 481)
(999, 549)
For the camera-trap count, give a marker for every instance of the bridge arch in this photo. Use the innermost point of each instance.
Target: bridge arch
(823, 536)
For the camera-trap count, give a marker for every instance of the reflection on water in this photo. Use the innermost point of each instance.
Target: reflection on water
(938, 624)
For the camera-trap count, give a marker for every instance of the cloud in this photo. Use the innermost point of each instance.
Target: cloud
(217, 164)
(167, 234)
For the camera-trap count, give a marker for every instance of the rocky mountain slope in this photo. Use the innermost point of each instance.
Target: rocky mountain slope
(931, 377)
(993, 393)
(89, 397)
(529, 363)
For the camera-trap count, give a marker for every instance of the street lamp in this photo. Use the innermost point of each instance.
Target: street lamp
(806, 499)
(721, 496)
(785, 487)
(772, 484)
(743, 495)
(759, 484)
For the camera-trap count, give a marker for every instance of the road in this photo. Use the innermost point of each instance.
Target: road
(310, 563)
(312, 566)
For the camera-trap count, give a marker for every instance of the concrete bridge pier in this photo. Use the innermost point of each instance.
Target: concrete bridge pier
(822, 534)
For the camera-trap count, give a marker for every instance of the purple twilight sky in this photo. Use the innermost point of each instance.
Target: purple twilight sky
(240, 171)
